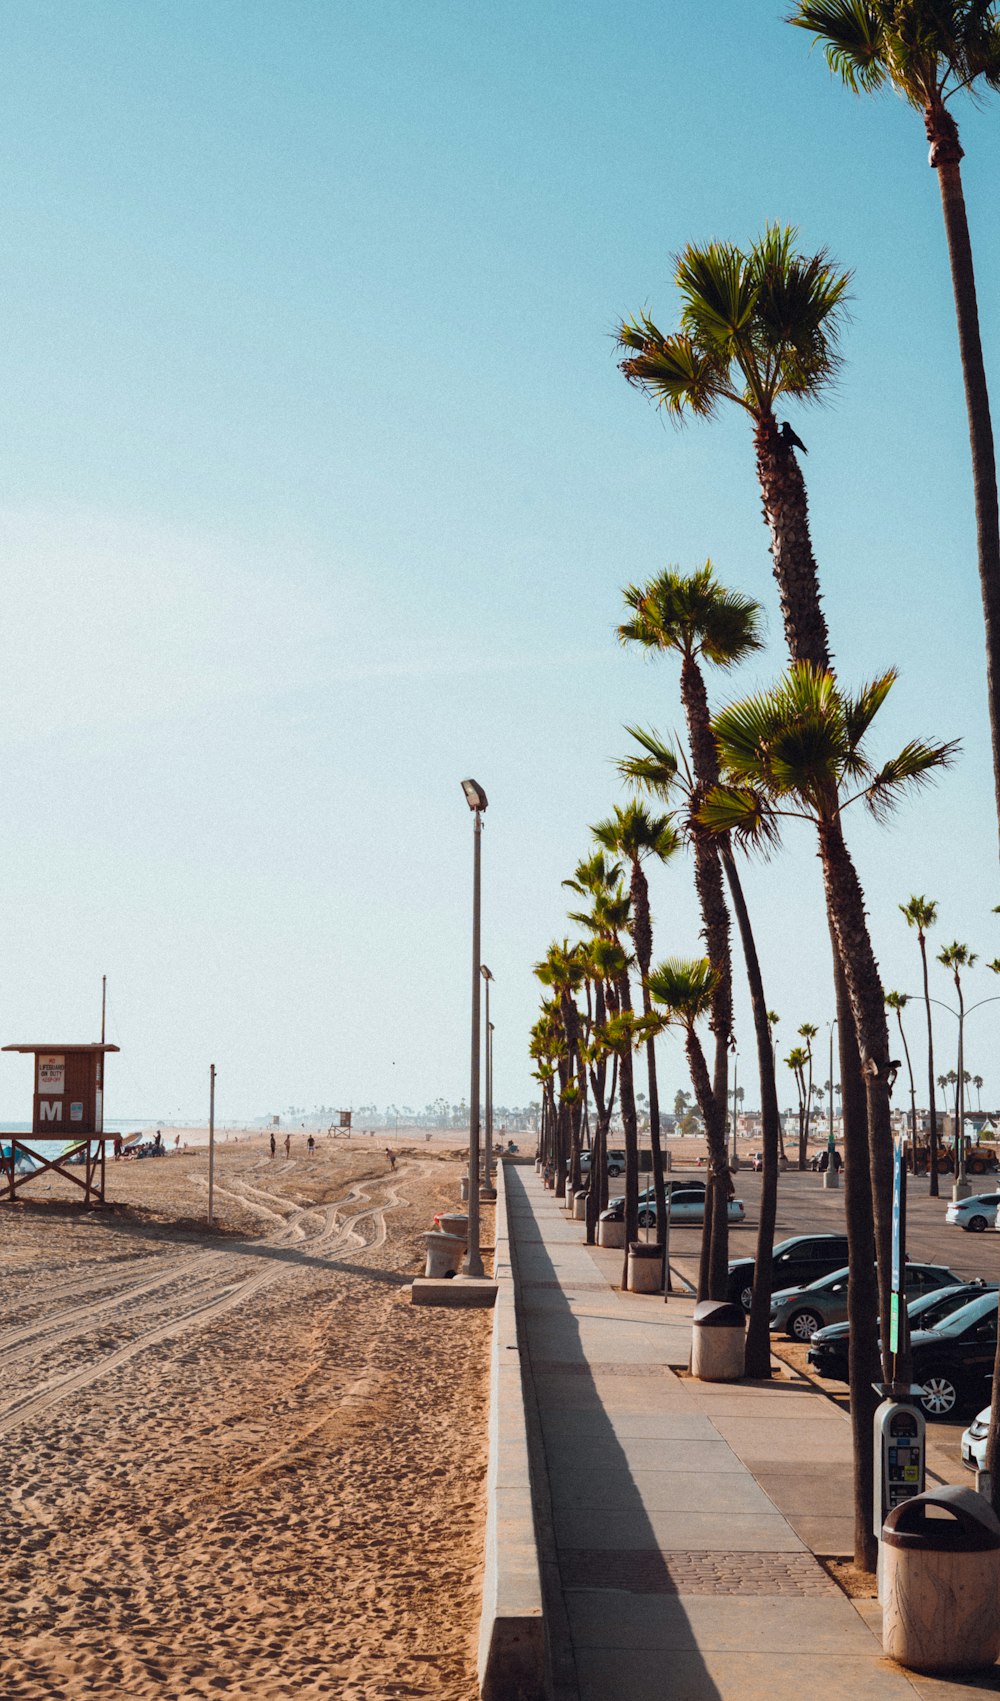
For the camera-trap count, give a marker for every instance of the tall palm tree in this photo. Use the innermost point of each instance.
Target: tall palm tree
(977, 1082)
(921, 913)
(636, 835)
(697, 618)
(595, 875)
(807, 1032)
(801, 750)
(897, 1002)
(562, 969)
(930, 51)
(757, 327)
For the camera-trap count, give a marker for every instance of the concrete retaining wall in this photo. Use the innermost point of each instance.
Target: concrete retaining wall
(511, 1630)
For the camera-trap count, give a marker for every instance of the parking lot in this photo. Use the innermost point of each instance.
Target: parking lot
(805, 1207)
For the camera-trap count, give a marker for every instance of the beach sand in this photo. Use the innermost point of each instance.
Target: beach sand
(240, 1463)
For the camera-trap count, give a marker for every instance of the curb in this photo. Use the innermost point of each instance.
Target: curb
(512, 1627)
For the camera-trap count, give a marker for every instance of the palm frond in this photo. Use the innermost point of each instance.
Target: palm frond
(672, 371)
(914, 766)
(852, 38)
(743, 811)
(684, 988)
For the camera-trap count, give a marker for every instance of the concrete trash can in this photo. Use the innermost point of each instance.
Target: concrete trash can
(668, 1161)
(453, 1222)
(444, 1253)
(568, 1192)
(645, 1267)
(610, 1231)
(465, 1187)
(941, 1582)
(580, 1206)
(718, 1341)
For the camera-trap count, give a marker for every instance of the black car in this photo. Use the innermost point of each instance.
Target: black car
(796, 1262)
(953, 1363)
(828, 1347)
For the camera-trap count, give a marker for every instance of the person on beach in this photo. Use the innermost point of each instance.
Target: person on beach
(288, 1145)
(274, 1145)
(391, 1157)
(118, 1147)
(310, 1145)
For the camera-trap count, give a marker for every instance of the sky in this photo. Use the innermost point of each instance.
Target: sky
(321, 485)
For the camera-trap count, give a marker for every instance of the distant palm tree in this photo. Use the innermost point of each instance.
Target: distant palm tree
(921, 913)
(977, 1082)
(958, 958)
(929, 51)
(808, 1033)
(562, 969)
(797, 1061)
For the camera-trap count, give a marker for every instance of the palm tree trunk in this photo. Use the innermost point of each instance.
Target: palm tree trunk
(642, 935)
(626, 1094)
(846, 907)
(946, 155)
(933, 1160)
(862, 1286)
(758, 1352)
(786, 510)
(712, 1274)
(809, 1088)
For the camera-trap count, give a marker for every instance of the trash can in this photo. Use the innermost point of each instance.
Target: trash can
(465, 1187)
(444, 1253)
(718, 1341)
(568, 1192)
(941, 1582)
(453, 1222)
(645, 1267)
(668, 1161)
(580, 1205)
(610, 1230)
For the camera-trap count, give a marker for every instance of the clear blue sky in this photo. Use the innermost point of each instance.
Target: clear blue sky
(320, 485)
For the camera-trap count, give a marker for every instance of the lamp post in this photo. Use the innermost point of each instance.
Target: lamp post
(735, 1164)
(488, 1190)
(475, 797)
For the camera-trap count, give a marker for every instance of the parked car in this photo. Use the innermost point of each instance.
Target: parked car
(756, 1162)
(801, 1259)
(974, 1441)
(800, 1312)
(687, 1206)
(954, 1362)
(828, 1347)
(671, 1184)
(616, 1163)
(976, 1213)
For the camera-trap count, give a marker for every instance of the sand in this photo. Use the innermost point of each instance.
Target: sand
(239, 1464)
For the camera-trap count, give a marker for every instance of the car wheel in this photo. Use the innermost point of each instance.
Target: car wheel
(746, 1296)
(646, 1219)
(614, 1170)
(940, 1395)
(977, 1225)
(803, 1325)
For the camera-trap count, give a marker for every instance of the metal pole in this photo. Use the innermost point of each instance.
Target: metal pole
(474, 1258)
(490, 1153)
(736, 1060)
(961, 1187)
(486, 1149)
(104, 1003)
(211, 1145)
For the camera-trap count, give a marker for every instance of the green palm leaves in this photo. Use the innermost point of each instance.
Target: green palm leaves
(635, 834)
(926, 49)
(802, 749)
(694, 614)
(684, 988)
(755, 324)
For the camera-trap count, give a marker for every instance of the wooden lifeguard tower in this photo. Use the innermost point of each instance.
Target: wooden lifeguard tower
(68, 1110)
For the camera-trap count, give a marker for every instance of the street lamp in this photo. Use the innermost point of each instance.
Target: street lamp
(831, 1175)
(489, 1190)
(960, 1188)
(475, 797)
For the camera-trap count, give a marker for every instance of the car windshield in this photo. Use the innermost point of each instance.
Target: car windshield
(984, 1305)
(938, 1304)
(827, 1282)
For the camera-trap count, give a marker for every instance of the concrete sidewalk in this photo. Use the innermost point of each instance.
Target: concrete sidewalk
(678, 1520)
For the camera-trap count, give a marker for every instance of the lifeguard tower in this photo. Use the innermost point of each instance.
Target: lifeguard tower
(68, 1113)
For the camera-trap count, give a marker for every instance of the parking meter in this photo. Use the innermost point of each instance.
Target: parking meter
(900, 1457)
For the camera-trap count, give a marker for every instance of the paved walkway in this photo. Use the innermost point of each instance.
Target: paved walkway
(679, 1520)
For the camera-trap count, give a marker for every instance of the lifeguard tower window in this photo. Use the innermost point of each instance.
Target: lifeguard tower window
(67, 1120)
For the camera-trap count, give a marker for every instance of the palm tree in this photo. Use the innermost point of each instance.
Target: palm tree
(595, 875)
(929, 51)
(801, 750)
(977, 1082)
(897, 1002)
(921, 913)
(808, 1033)
(697, 618)
(796, 1061)
(686, 990)
(757, 327)
(634, 834)
(958, 957)
(562, 969)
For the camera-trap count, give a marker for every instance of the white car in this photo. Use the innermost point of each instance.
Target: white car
(974, 1441)
(976, 1214)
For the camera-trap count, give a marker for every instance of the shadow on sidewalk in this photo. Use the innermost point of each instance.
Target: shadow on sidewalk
(565, 1451)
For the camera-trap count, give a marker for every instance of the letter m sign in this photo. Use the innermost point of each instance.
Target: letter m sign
(51, 1110)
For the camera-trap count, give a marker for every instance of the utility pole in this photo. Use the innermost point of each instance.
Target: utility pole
(104, 1003)
(211, 1145)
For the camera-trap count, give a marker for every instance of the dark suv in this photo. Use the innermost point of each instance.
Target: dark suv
(796, 1262)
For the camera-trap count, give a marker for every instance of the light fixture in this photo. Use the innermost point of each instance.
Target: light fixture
(475, 796)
